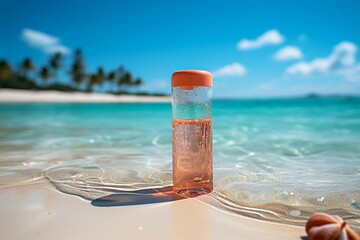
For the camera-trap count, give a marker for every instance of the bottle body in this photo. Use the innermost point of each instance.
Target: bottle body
(192, 140)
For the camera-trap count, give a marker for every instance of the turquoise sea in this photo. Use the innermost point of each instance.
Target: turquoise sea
(279, 159)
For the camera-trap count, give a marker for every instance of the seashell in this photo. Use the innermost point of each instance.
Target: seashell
(321, 226)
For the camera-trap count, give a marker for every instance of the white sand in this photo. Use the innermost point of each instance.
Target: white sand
(9, 95)
(38, 211)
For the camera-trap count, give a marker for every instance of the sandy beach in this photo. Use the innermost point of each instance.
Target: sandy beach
(10, 95)
(39, 211)
(76, 171)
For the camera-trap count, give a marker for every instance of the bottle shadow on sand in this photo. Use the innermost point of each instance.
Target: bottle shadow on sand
(138, 197)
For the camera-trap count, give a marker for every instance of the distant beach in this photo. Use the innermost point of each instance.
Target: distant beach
(11, 95)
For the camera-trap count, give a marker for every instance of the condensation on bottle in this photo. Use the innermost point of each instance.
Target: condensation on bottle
(192, 132)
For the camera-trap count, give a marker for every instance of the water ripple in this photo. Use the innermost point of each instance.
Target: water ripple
(275, 160)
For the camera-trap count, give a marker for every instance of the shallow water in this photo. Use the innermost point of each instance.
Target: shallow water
(278, 160)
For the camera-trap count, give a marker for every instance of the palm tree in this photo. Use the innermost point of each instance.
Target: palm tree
(100, 76)
(138, 82)
(27, 66)
(120, 74)
(5, 70)
(92, 81)
(121, 71)
(55, 63)
(111, 77)
(125, 81)
(96, 79)
(77, 71)
(45, 74)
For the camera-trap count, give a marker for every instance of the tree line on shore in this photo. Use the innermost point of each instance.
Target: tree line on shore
(28, 76)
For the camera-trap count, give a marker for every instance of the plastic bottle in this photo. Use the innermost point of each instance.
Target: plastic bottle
(192, 132)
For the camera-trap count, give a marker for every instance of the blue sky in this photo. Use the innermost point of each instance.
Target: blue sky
(253, 48)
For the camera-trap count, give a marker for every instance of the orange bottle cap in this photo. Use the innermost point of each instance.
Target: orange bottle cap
(187, 79)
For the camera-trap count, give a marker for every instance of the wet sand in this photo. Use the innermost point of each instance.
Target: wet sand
(39, 211)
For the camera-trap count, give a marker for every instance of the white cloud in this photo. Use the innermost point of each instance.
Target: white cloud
(43, 41)
(288, 53)
(271, 37)
(340, 61)
(351, 74)
(231, 70)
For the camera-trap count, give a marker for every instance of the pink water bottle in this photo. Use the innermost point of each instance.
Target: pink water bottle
(192, 132)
